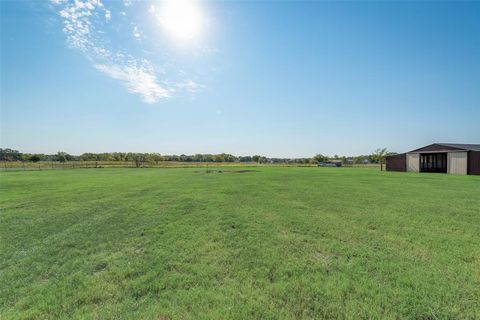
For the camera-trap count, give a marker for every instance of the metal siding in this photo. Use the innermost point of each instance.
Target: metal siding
(396, 162)
(474, 162)
(457, 162)
(413, 162)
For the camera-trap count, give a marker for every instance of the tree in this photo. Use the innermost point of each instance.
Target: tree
(219, 158)
(156, 157)
(62, 156)
(320, 158)
(379, 155)
(10, 155)
(245, 159)
(139, 159)
(34, 158)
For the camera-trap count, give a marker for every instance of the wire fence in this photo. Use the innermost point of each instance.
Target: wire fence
(55, 165)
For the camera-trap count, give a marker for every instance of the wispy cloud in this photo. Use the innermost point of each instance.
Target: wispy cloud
(58, 1)
(127, 3)
(108, 15)
(189, 85)
(77, 21)
(84, 24)
(137, 79)
(136, 33)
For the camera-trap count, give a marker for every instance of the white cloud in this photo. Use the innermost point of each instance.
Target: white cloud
(136, 33)
(137, 79)
(189, 85)
(152, 9)
(207, 50)
(83, 25)
(77, 24)
(108, 15)
(56, 2)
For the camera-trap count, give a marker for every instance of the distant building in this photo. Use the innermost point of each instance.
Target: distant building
(438, 157)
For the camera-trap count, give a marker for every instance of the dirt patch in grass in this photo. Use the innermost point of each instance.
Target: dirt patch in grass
(225, 171)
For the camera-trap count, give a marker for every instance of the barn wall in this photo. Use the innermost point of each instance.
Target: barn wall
(474, 162)
(413, 162)
(397, 162)
(457, 162)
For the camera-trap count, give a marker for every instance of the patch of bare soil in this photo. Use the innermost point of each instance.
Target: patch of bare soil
(224, 171)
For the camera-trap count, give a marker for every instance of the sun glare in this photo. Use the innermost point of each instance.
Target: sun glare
(182, 19)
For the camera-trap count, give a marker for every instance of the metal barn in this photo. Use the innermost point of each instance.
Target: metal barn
(450, 158)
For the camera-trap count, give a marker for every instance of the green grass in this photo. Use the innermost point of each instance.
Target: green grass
(277, 243)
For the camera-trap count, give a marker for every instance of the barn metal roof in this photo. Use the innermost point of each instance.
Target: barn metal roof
(469, 147)
(447, 147)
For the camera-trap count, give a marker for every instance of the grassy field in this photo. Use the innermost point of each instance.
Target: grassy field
(272, 243)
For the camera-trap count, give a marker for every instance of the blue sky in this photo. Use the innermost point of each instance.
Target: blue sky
(281, 79)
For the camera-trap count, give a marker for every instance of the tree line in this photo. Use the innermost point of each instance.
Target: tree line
(14, 155)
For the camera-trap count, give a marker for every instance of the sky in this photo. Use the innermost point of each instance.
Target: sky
(276, 78)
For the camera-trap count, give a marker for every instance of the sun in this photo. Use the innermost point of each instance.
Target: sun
(182, 19)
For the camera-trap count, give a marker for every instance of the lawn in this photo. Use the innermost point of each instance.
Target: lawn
(272, 243)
